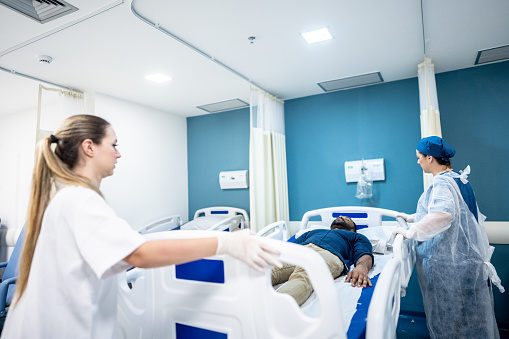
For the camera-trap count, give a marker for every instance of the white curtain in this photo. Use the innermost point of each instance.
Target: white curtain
(55, 105)
(430, 115)
(267, 161)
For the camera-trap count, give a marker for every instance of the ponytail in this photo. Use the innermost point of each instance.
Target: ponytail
(51, 166)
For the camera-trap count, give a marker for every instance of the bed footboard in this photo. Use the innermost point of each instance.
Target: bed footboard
(165, 304)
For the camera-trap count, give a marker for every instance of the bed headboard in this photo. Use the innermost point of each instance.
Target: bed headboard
(223, 210)
(362, 216)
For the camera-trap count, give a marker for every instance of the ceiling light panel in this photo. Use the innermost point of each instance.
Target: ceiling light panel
(492, 55)
(318, 35)
(224, 106)
(158, 77)
(350, 82)
(40, 10)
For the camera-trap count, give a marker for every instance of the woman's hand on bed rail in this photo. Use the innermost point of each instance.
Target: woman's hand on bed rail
(358, 276)
(247, 248)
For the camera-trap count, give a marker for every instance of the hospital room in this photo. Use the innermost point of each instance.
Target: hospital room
(282, 117)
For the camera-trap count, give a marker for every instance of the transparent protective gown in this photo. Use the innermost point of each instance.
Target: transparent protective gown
(453, 266)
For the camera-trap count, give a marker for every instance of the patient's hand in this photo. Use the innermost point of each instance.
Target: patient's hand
(359, 276)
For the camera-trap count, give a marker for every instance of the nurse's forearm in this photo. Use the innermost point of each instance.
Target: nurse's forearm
(431, 225)
(157, 253)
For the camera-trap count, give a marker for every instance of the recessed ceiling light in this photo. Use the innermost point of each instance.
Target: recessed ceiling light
(318, 35)
(158, 77)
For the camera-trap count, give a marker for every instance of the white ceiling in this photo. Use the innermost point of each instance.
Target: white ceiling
(104, 47)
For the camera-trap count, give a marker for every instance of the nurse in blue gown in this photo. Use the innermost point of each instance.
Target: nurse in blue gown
(453, 252)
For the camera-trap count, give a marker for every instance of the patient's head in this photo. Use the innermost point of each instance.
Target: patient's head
(343, 223)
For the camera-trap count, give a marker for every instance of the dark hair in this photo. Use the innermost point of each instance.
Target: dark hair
(340, 222)
(443, 162)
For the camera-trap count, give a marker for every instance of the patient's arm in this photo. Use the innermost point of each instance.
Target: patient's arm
(358, 276)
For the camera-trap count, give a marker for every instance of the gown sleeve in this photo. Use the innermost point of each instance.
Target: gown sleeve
(103, 238)
(441, 211)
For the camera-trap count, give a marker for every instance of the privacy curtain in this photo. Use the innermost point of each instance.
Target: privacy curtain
(268, 184)
(55, 105)
(430, 115)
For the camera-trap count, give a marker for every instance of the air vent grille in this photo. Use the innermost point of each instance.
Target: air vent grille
(350, 82)
(40, 10)
(492, 54)
(224, 106)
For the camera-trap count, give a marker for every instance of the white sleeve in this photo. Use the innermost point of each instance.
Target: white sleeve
(431, 225)
(103, 238)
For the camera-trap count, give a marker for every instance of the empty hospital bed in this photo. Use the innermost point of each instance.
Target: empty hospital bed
(218, 218)
(188, 301)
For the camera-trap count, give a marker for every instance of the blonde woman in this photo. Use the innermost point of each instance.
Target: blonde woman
(75, 244)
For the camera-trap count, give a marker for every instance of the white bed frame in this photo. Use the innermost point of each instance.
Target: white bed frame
(158, 301)
(164, 224)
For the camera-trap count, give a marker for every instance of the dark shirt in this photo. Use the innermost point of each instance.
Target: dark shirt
(468, 195)
(348, 246)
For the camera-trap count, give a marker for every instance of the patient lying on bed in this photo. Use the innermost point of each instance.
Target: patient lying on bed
(340, 247)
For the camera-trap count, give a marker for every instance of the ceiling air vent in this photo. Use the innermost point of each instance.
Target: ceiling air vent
(40, 10)
(224, 106)
(492, 54)
(350, 82)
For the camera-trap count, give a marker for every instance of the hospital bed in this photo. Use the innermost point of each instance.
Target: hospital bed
(193, 301)
(380, 305)
(219, 218)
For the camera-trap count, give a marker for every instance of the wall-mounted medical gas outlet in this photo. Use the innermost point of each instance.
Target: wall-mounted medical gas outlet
(375, 167)
(233, 179)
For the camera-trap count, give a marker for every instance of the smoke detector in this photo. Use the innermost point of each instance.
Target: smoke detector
(44, 59)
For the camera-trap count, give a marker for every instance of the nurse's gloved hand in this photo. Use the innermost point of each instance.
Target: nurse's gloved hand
(244, 246)
(407, 217)
(400, 230)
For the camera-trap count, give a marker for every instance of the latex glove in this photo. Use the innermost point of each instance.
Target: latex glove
(407, 217)
(400, 230)
(247, 248)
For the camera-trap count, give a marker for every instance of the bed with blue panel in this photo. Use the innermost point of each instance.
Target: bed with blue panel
(217, 218)
(221, 297)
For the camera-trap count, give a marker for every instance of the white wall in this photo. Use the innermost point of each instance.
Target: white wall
(150, 179)
(17, 146)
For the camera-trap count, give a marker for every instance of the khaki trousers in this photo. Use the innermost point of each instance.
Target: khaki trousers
(297, 281)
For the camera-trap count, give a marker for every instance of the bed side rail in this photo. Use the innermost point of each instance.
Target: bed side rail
(276, 230)
(384, 308)
(164, 224)
(404, 250)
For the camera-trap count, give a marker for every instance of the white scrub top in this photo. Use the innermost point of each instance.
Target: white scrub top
(72, 287)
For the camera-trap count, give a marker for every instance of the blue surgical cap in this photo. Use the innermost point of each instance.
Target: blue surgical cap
(436, 147)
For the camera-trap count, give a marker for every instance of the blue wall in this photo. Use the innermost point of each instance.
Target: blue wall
(217, 142)
(324, 131)
(474, 111)
(381, 121)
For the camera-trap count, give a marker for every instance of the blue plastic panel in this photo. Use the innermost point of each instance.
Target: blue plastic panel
(206, 270)
(218, 212)
(351, 215)
(191, 332)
